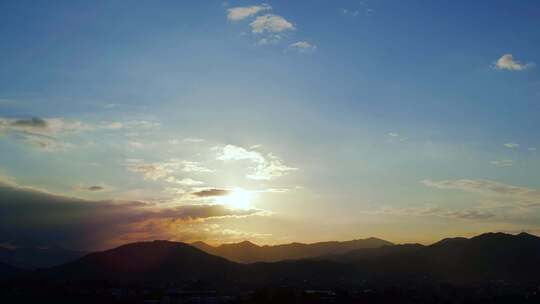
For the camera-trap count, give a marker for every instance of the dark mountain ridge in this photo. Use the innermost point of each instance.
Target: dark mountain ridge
(490, 256)
(156, 260)
(487, 257)
(247, 252)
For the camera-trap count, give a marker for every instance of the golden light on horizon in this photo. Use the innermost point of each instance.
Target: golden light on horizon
(238, 198)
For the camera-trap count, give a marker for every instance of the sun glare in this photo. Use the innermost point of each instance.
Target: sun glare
(237, 199)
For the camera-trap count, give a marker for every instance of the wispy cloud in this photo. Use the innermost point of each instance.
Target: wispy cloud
(460, 214)
(271, 23)
(265, 167)
(522, 196)
(502, 162)
(41, 126)
(184, 181)
(165, 169)
(269, 28)
(303, 46)
(511, 145)
(243, 12)
(507, 62)
(395, 137)
(43, 133)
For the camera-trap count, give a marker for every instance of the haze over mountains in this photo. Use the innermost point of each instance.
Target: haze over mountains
(490, 256)
(247, 252)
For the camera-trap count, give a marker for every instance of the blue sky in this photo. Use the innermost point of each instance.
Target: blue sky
(409, 121)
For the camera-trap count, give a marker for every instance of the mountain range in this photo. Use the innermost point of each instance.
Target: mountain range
(487, 257)
(247, 252)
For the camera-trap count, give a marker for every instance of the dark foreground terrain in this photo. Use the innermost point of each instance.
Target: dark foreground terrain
(490, 268)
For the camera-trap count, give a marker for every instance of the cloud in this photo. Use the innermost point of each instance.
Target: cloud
(211, 192)
(270, 23)
(192, 166)
(303, 46)
(31, 217)
(511, 145)
(40, 126)
(264, 168)
(241, 13)
(272, 168)
(463, 214)
(184, 181)
(151, 171)
(42, 133)
(395, 137)
(231, 152)
(162, 170)
(523, 196)
(507, 62)
(95, 188)
(30, 123)
(502, 162)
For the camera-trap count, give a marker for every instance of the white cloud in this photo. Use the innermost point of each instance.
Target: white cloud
(511, 145)
(303, 46)
(270, 23)
(502, 162)
(231, 152)
(264, 168)
(184, 181)
(507, 62)
(241, 13)
(191, 166)
(166, 169)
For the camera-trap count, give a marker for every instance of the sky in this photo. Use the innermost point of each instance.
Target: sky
(273, 122)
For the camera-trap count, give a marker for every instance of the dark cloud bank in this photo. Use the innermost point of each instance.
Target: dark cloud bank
(29, 217)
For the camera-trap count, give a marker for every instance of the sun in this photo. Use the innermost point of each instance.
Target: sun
(238, 198)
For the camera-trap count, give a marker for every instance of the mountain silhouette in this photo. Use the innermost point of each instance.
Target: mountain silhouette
(490, 256)
(147, 261)
(247, 252)
(33, 258)
(372, 253)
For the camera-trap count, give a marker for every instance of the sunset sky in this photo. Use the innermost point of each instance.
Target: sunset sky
(272, 122)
